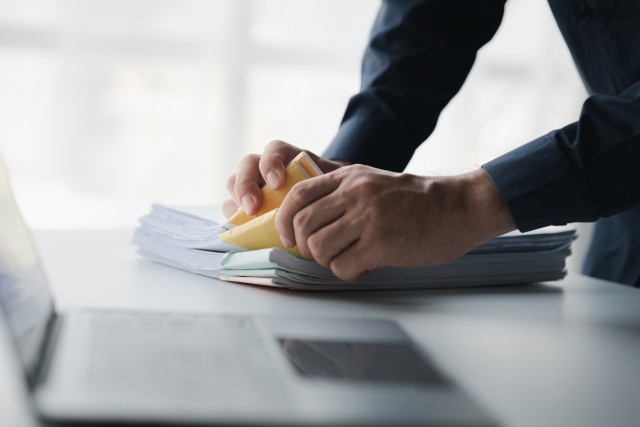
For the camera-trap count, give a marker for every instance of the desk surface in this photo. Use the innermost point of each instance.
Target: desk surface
(565, 354)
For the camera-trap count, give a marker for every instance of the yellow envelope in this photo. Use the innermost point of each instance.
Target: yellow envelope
(259, 231)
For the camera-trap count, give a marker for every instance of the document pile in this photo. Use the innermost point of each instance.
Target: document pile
(248, 249)
(189, 239)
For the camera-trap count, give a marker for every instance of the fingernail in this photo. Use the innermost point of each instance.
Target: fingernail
(272, 179)
(247, 203)
(285, 242)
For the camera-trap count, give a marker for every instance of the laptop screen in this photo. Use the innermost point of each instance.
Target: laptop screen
(24, 295)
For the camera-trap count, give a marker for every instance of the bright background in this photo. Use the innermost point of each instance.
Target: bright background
(108, 106)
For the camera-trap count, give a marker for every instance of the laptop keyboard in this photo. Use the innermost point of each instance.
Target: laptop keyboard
(188, 355)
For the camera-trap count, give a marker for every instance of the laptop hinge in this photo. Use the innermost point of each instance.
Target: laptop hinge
(46, 351)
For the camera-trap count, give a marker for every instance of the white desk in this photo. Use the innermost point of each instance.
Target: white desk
(566, 354)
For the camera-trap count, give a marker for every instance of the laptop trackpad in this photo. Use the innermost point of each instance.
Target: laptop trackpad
(384, 362)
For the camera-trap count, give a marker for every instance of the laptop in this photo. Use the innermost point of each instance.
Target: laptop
(111, 366)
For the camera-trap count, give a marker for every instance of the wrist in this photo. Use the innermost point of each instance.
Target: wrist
(454, 215)
(484, 205)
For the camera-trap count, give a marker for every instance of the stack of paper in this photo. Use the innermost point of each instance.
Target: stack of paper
(185, 238)
(189, 227)
(188, 239)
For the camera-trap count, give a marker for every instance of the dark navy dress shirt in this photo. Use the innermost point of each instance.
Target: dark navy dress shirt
(419, 55)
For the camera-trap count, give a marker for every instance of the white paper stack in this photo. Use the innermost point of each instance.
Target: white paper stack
(186, 238)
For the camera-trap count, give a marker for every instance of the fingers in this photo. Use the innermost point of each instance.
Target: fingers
(246, 184)
(275, 157)
(229, 207)
(313, 218)
(333, 239)
(301, 195)
(355, 261)
(231, 183)
(254, 171)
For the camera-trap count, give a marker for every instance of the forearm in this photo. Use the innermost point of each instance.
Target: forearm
(418, 57)
(582, 172)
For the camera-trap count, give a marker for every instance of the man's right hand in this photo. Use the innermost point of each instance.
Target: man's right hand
(255, 170)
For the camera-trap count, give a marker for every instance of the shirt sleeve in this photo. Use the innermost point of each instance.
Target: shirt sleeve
(419, 55)
(582, 172)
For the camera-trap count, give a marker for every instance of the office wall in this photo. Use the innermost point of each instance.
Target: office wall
(107, 106)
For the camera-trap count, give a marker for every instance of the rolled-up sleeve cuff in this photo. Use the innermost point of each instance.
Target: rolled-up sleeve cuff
(540, 185)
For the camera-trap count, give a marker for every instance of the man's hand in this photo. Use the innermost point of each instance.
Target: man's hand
(255, 170)
(357, 219)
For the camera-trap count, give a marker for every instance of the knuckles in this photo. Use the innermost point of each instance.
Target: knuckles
(300, 221)
(359, 181)
(274, 143)
(250, 160)
(315, 245)
(298, 193)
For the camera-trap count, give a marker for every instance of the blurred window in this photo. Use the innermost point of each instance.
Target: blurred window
(108, 106)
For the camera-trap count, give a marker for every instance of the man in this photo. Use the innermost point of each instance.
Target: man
(358, 218)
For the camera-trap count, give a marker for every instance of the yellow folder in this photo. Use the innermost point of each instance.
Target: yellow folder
(259, 231)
